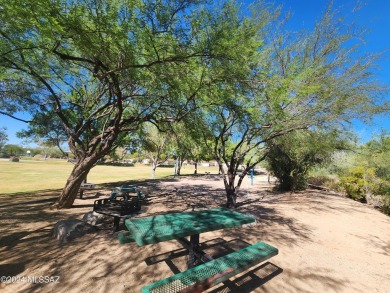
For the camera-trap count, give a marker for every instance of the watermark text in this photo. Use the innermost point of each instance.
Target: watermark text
(29, 279)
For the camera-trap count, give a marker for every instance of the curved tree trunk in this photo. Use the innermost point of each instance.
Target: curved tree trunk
(72, 186)
(86, 159)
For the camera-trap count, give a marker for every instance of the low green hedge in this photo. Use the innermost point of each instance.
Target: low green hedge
(118, 164)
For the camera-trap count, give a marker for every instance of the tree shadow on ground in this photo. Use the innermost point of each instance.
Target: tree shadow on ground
(252, 280)
(315, 276)
(97, 262)
(42, 192)
(44, 200)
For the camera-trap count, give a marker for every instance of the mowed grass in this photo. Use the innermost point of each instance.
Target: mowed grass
(32, 175)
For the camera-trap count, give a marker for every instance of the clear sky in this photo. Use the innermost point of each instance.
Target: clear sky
(373, 15)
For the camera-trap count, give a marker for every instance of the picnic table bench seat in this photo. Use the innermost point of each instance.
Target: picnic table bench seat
(209, 274)
(117, 208)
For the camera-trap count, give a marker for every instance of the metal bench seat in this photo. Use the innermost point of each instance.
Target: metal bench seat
(211, 273)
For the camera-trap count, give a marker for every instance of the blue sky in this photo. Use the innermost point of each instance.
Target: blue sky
(372, 15)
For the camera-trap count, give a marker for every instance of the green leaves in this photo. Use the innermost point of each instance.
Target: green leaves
(292, 156)
(105, 67)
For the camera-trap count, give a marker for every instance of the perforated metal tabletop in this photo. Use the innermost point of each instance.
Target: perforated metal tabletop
(153, 229)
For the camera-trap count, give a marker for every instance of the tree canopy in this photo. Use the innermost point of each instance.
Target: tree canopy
(99, 69)
(311, 81)
(104, 67)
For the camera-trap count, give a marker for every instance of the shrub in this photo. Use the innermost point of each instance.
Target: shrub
(383, 172)
(292, 156)
(14, 159)
(166, 166)
(354, 187)
(289, 171)
(117, 164)
(385, 204)
(358, 182)
(331, 181)
(384, 189)
(319, 180)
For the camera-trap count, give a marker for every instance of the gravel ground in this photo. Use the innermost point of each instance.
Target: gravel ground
(327, 243)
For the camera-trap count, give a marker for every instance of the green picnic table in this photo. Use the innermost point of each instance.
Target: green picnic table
(154, 229)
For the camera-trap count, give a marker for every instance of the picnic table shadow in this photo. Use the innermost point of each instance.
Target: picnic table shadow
(219, 247)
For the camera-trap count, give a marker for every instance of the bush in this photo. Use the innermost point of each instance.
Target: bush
(166, 166)
(358, 182)
(118, 164)
(319, 180)
(354, 187)
(331, 181)
(385, 204)
(292, 156)
(383, 189)
(383, 172)
(290, 173)
(14, 159)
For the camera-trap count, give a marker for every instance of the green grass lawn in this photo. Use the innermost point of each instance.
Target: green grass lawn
(33, 175)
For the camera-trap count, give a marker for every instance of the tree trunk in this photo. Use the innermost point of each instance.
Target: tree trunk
(231, 198)
(179, 165)
(72, 186)
(220, 169)
(231, 190)
(196, 168)
(154, 167)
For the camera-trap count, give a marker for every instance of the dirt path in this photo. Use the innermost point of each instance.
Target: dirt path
(326, 243)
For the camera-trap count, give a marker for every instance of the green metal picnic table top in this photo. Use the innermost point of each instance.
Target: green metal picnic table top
(153, 229)
(128, 188)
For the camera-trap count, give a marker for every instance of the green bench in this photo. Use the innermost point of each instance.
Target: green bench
(209, 274)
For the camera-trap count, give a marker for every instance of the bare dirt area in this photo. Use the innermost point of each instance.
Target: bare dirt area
(327, 243)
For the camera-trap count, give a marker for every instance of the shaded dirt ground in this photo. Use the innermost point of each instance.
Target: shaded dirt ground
(326, 243)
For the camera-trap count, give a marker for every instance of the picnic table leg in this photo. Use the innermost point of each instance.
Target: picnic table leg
(116, 224)
(81, 193)
(194, 245)
(195, 254)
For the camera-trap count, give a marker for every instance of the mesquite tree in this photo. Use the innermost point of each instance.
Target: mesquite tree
(156, 145)
(103, 67)
(315, 80)
(238, 143)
